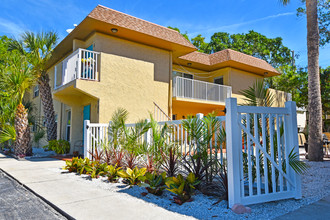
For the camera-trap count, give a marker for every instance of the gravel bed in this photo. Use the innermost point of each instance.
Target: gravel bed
(315, 185)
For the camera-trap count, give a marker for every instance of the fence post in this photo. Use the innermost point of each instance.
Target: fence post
(233, 152)
(86, 139)
(199, 115)
(147, 135)
(292, 137)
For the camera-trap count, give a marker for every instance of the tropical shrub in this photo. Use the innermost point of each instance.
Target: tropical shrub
(73, 165)
(96, 169)
(201, 132)
(97, 155)
(133, 176)
(155, 183)
(58, 146)
(112, 173)
(85, 166)
(118, 157)
(170, 159)
(183, 188)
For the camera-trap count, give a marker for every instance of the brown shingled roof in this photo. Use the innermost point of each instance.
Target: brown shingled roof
(227, 55)
(120, 19)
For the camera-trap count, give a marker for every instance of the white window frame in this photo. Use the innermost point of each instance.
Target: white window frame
(67, 125)
(219, 77)
(181, 74)
(35, 90)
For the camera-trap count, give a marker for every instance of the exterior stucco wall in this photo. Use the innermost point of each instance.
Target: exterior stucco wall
(240, 80)
(132, 76)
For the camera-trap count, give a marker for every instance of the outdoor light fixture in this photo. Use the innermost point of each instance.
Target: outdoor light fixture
(266, 73)
(189, 64)
(114, 30)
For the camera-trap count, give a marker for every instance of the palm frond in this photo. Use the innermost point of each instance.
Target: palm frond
(7, 133)
(297, 165)
(257, 95)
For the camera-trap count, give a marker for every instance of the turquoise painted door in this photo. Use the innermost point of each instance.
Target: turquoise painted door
(87, 112)
(86, 116)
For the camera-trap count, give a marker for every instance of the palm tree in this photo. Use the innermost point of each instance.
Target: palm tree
(16, 80)
(258, 95)
(315, 152)
(38, 49)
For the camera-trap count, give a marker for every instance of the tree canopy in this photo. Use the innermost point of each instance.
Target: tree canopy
(252, 43)
(323, 10)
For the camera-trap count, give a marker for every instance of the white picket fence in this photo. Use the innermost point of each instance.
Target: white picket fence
(95, 135)
(258, 143)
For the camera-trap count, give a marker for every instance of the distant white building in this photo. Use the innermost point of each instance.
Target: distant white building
(301, 118)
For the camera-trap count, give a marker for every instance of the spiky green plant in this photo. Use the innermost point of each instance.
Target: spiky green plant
(133, 176)
(155, 183)
(183, 188)
(257, 95)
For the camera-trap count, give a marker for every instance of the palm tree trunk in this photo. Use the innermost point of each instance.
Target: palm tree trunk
(315, 152)
(22, 143)
(48, 106)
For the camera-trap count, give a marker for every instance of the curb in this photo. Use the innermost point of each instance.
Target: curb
(63, 213)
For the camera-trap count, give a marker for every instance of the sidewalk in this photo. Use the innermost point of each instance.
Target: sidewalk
(75, 198)
(319, 210)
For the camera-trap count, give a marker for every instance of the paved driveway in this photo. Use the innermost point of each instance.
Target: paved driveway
(16, 202)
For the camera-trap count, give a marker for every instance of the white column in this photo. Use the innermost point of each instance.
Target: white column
(86, 139)
(233, 152)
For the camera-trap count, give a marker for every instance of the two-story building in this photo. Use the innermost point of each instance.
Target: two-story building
(113, 60)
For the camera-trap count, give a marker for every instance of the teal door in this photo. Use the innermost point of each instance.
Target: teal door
(86, 116)
(87, 112)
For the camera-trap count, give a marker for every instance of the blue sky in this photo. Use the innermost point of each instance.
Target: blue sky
(268, 17)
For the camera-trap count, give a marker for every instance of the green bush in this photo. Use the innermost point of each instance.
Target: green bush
(112, 173)
(59, 146)
(74, 165)
(133, 177)
(183, 188)
(155, 183)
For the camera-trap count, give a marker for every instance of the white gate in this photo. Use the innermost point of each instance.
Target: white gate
(94, 136)
(259, 142)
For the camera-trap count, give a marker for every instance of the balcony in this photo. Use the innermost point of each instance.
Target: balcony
(81, 64)
(200, 90)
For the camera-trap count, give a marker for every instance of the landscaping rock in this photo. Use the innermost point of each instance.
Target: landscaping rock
(240, 209)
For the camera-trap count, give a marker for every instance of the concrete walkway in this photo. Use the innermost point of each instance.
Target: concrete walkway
(76, 198)
(316, 211)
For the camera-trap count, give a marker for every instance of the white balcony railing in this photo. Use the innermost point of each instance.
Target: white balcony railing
(81, 64)
(195, 89)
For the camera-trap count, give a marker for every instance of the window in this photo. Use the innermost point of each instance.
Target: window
(184, 75)
(218, 80)
(36, 91)
(68, 126)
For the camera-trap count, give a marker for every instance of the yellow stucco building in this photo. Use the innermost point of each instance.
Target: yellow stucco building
(113, 60)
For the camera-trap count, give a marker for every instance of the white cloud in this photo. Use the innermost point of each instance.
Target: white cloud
(222, 28)
(9, 27)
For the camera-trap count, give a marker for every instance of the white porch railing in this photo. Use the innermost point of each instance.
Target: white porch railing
(81, 64)
(195, 89)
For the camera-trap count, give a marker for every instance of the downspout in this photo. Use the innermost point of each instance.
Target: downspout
(60, 120)
(170, 86)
